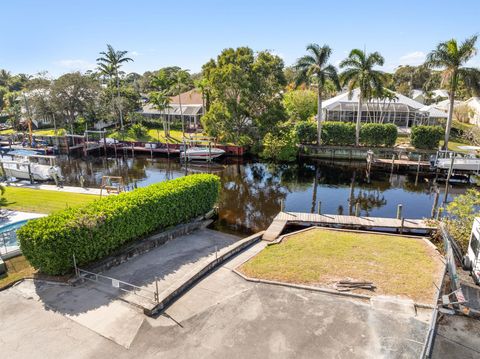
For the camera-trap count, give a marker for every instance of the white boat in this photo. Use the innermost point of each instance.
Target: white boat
(21, 167)
(202, 153)
(468, 162)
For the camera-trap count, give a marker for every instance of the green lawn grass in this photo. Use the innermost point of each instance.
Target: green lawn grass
(396, 265)
(42, 201)
(17, 268)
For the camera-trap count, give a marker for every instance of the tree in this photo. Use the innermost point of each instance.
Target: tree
(109, 64)
(245, 94)
(315, 67)
(161, 101)
(75, 95)
(182, 78)
(359, 72)
(450, 57)
(300, 104)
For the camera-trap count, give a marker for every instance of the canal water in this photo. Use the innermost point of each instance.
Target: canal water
(253, 192)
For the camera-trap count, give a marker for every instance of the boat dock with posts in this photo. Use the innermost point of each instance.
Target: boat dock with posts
(399, 224)
(398, 161)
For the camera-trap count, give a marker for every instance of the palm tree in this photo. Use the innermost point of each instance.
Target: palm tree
(109, 64)
(450, 57)
(359, 72)
(161, 101)
(315, 67)
(181, 84)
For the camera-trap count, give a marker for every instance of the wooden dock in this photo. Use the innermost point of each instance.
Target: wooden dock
(332, 220)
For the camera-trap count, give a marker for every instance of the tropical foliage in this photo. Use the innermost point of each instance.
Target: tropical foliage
(244, 91)
(451, 57)
(95, 230)
(314, 69)
(359, 71)
(426, 137)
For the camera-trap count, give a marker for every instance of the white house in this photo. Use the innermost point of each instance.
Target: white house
(436, 95)
(473, 104)
(400, 110)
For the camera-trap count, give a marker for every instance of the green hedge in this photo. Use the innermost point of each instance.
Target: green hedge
(95, 230)
(338, 133)
(426, 137)
(378, 134)
(306, 132)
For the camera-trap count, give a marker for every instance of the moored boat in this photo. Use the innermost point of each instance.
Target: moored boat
(202, 153)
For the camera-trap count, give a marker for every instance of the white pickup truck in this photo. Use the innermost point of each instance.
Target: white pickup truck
(471, 260)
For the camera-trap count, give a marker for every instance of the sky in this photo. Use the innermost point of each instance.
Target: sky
(60, 36)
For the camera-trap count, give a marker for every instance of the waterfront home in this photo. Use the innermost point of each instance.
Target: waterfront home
(190, 103)
(473, 105)
(397, 109)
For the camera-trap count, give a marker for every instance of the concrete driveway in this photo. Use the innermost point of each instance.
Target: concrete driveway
(222, 316)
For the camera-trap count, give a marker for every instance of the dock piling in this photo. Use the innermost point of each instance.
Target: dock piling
(357, 209)
(399, 211)
(319, 209)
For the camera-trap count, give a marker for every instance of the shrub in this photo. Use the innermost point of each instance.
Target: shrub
(280, 147)
(306, 132)
(95, 230)
(426, 137)
(461, 214)
(137, 130)
(338, 133)
(378, 134)
(300, 104)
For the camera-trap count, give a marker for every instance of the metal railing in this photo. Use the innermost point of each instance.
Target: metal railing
(118, 284)
(8, 237)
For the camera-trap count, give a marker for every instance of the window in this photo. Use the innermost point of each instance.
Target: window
(475, 244)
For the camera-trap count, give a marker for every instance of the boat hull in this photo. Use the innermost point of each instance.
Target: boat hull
(460, 164)
(202, 154)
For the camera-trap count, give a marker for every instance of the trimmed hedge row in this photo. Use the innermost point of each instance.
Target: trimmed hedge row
(95, 230)
(378, 134)
(338, 133)
(426, 137)
(371, 134)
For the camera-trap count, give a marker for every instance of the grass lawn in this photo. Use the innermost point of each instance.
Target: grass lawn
(41, 201)
(397, 265)
(17, 268)
(154, 135)
(41, 132)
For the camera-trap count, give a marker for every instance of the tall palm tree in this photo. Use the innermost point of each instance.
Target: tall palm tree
(110, 62)
(450, 57)
(181, 84)
(314, 67)
(359, 72)
(161, 101)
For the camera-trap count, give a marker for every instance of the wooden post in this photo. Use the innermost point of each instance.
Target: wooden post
(115, 148)
(439, 213)
(282, 205)
(401, 225)
(450, 170)
(133, 150)
(319, 209)
(393, 162)
(399, 211)
(30, 174)
(104, 143)
(435, 203)
(357, 209)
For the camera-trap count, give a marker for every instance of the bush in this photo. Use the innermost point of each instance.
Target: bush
(306, 132)
(300, 104)
(137, 130)
(95, 230)
(280, 147)
(426, 137)
(461, 214)
(378, 134)
(338, 133)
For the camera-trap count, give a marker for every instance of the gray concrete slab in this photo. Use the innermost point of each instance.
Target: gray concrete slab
(457, 337)
(223, 316)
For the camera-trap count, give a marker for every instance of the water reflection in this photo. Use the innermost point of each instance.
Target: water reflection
(252, 192)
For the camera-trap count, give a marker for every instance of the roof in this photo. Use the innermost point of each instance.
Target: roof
(192, 97)
(402, 102)
(346, 98)
(434, 112)
(174, 109)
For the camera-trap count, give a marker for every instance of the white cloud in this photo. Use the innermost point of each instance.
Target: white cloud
(75, 64)
(134, 53)
(413, 58)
